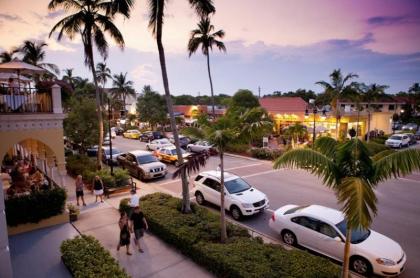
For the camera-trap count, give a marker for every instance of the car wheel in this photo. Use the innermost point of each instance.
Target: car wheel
(199, 198)
(289, 238)
(148, 148)
(235, 212)
(188, 149)
(361, 266)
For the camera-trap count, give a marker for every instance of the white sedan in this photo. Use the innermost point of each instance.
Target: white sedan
(398, 141)
(199, 146)
(323, 230)
(158, 144)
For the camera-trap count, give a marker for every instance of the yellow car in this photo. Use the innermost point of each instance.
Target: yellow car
(132, 134)
(168, 155)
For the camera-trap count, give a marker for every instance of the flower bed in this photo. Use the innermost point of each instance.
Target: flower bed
(84, 256)
(197, 236)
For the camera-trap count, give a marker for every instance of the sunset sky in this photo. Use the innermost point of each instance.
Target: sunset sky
(279, 45)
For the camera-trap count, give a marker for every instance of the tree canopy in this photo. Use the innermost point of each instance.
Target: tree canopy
(151, 106)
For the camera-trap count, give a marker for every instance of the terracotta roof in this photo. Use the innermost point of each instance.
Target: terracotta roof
(280, 105)
(186, 109)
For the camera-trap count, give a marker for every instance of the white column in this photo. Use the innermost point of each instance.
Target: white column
(56, 99)
(5, 262)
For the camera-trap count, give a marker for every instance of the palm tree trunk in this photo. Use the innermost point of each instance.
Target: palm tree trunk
(368, 124)
(336, 120)
(99, 110)
(223, 233)
(211, 86)
(346, 259)
(185, 188)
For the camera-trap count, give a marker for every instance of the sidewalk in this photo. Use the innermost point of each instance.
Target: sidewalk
(159, 260)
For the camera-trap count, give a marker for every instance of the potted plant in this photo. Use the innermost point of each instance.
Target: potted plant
(73, 212)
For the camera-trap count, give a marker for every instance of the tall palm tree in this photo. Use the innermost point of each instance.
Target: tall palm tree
(7, 56)
(34, 53)
(335, 89)
(122, 88)
(349, 171)
(222, 132)
(92, 19)
(156, 15)
(203, 36)
(371, 94)
(69, 77)
(414, 95)
(102, 73)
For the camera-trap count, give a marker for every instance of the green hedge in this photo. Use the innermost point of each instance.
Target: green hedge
(35, 207)
(237, 148)
(197, 236)
(79, 165)
(84, 256)
(265, 153)
(120, 177)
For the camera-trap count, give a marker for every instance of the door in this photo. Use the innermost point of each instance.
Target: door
(131, 164)
(211, 190)
(329, 242)
(306, 231)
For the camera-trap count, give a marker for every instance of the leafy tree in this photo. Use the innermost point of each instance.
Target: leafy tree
(223, 131)
(203, 36)
(304, 94)
(8, 56)
(414, 95)
(122, 88)
(296, 132)
(242, 100)
(81, 124)
(151, 107)
(184, 100)
(348, 169)
(156, 15)
(92, 20)
(335, 89)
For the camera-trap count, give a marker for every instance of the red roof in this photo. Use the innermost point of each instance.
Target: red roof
(280, 105)
(187, 109)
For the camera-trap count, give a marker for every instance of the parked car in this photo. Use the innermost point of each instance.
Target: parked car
(151, 135)
(417, 135)
(158, 143)
(397, 125)
(412, 138)
(323, 230)
(200, 146)
(132, 134)
(118, 131)
(106, 155)
(92, 151)
(142, 164)
(183, 141)
(398, 141)
(169, 155)
(410, 126)
(241, 198)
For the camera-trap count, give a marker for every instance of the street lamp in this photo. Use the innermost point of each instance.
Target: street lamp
(314, 112)
(110, 137)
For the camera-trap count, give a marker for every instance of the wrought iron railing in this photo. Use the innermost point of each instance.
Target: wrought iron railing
(24, 100)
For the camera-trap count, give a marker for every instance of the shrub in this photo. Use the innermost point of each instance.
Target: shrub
(237, 148)
(197, 235)
(265, 153)
(35, 207)
(79, 164)
(379, 139)
(84, 256)
(121, 177)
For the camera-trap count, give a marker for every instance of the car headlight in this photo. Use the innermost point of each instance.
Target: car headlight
(384, 261)
(246, 205)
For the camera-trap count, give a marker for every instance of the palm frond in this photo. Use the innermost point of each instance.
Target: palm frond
(193, 132)
(51, 66)
(110, 28)
(326, 146)
(312, 161)
(193, 164)
(382, 154)
(203, 7)
(153, 13)
(358, 200)
(398, 164)
(375, 148)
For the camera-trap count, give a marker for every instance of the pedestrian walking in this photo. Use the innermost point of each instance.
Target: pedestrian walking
(124, 233)
(138, 225)
(98, 189)
(79, 189)
(134, 201)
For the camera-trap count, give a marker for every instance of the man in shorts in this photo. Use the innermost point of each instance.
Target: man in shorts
(138, 225)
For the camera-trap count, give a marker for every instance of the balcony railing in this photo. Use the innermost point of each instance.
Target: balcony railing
(25, 100)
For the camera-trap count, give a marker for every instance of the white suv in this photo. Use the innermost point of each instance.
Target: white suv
(398, 141)
(240, 198)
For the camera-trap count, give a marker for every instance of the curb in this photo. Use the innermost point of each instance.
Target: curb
(243, 157)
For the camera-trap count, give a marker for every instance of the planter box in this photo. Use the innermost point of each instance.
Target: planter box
(52, 221)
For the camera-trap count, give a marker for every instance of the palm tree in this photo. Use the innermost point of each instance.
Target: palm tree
(203, 36)
(102, 73)
(156, 15)
(221, 133)
(414, 95)
(335, 89)
(92, 19)
(349, 171)
(69, 77)
(7, 56)
(371, 94)
(34, 53)
(122, 88)
(296, 132)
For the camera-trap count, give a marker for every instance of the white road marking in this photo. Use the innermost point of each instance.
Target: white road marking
(261, 173)
(244, 166)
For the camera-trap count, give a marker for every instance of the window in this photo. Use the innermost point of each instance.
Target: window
(391, 107)
(357, 235)
(307, 222)
(199, 177)
(144, 159)
(215, 185)
(327, 230)
(293, 210)
(130, 158)
(236, 186)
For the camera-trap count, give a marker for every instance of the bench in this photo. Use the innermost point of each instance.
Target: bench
(120, 189)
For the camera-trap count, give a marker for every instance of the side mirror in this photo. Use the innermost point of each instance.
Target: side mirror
(337, 238)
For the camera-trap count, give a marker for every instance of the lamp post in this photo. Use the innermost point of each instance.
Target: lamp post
(110, 137)
(314, 112)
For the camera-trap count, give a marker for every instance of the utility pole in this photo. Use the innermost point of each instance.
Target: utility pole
(110, 137)
(259, 92)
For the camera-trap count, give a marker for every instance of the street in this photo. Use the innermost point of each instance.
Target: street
(398, 205)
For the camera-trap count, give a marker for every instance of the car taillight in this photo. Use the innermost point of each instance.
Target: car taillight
(273, 217)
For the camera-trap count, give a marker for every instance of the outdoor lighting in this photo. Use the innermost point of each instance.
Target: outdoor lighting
(314, 112)
(402, 110)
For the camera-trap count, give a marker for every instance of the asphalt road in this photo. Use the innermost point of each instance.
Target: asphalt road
(398, 199)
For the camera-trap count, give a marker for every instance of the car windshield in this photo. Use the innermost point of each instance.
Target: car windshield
(163, 141)
(293, 210)
(395, 137)
(236, 186)
(357, 235)
(114, 151)
(144, 159)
